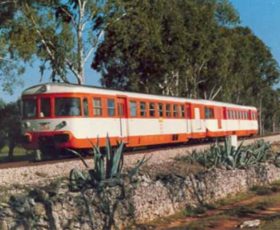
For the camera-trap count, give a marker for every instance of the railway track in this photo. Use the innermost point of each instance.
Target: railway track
(190, 146)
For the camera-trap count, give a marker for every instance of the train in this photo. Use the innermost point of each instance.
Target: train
(69, 116)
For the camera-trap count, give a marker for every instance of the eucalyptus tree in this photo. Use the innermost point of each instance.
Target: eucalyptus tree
(62, 34)
(10, 67)
(162, 46)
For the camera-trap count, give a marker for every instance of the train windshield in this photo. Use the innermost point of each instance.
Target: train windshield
(67, 106)
(29, 108)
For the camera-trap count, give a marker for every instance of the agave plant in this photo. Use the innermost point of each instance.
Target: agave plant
(229, 157)
(107, 169)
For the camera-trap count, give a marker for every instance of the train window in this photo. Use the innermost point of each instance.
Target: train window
(168, 112)
(209, 113)
(179, 111)
(152, 109)
(29, 108)
(182, 111)
(142, 109)
(45, 107)
(67, 106)
(160, 109)
(97, 107)
(85, 107)
(111, 107)
(175, 110)
(133, 108)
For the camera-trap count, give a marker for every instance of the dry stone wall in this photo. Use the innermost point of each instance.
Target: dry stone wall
(171, 193)
(55, 207)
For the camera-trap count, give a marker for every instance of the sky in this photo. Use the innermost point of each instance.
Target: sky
(262, 16)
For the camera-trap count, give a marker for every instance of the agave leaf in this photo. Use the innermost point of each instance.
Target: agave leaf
(78, 155)
(108, 147)
(109, 157)
(77, 179)
(102, 173)
(117, 160)
(136, 167)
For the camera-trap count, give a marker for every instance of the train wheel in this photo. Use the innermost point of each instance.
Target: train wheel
(46, 153)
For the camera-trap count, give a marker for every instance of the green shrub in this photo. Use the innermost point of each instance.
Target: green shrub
(229, 157)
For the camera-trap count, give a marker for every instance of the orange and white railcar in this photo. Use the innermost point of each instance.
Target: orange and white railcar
(137, 119)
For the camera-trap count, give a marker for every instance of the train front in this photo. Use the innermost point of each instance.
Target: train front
(47, 118)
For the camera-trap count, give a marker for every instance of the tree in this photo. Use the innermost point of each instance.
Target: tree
(2, 132)
(10, 128)
(162, 46)
(61, 34)
(10, 67)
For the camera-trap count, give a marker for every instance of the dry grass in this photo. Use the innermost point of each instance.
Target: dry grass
(180, 168)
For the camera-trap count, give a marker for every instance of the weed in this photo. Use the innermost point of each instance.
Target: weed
(199, 210)
(241, 211)
(263, 205)
(262, 190)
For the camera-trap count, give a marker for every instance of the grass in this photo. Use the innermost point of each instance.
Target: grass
(271, 224)
(205, 223)
(19, 154)
(231, 199)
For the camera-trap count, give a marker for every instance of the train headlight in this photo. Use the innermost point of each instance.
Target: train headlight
(26, 125)
(27, 138)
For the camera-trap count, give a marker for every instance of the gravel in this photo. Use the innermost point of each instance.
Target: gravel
(43, 173)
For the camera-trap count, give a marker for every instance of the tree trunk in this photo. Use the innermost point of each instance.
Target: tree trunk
(11, 149)
(261, 131)
(80, 53)
(274, 123)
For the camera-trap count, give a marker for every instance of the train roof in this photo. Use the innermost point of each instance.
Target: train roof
(75, 88)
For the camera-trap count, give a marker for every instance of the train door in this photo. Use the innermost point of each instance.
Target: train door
(197, 119)
(122, 115)
(188, 117)
(219, 117)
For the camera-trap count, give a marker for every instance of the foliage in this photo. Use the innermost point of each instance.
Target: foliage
(10, 127)
(107, 173)
(166, 47)
(107, 170)
(229, 157)
(62, 35)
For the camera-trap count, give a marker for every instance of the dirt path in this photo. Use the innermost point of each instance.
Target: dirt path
(230, 216)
